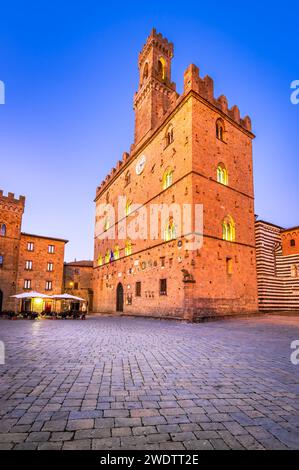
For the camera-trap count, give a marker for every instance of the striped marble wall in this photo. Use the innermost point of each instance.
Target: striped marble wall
(278, 275)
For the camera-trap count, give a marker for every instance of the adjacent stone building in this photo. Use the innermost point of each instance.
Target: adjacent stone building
(78, 280)
(27, 261)
(277, 267)
(189, 149)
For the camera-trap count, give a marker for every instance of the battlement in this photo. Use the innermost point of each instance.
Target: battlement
(205, 88)
(158, 41)
(10, 198)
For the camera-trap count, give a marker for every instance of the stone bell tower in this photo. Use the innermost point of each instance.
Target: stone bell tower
(156, 92)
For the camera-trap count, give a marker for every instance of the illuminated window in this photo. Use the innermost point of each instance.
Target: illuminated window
(48, 285)
(116, 252)
(222, 175)
(169, 135)
(51, 249)
(294, 271)
(167, 178)
(293, 242)
(128, 208)
(100, 260)
(3, 230)
(106, 224)
(169, 231)
(229, 265)
(161, 68)
(128, 248)
(220, 130)
(228, 229)
(127, 178)
(107, 256)
(28, 265)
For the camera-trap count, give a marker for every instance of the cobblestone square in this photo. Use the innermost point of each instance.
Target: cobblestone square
(134, 383)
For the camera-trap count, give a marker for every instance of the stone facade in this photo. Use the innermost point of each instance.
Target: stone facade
(46, 270)
(277, 267)
(189, 138)
(78, 280)
(27, 262)
(11, 212)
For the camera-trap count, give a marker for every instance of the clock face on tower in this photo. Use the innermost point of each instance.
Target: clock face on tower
(140, 165)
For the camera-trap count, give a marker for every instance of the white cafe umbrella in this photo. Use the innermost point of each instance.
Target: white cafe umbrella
(66, 297)
(31, 295)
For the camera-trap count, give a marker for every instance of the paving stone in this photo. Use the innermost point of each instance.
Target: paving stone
(38, 436)
(76, 424)
(50, 446)
(62, 436)
(77, 445)
(92, 433)
(198, 445)
(56, 425)
(106, 443)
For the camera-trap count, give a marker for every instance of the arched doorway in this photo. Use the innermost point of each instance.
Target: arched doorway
(1, 300)
(119, 298)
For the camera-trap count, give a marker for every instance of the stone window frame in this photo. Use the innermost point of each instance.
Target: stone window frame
(3, 230)
(49, 285)
(220, 130)
(138, 289)
(28, 265)
(30, 246)
(50, 263)
(27, 284)
(163, 287)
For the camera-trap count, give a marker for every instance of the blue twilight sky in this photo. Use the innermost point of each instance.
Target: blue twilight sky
(70, 70)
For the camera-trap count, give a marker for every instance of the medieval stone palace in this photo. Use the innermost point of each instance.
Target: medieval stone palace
(190, 151)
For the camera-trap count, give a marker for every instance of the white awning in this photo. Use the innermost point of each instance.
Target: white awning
(31, 295)
(67, 297)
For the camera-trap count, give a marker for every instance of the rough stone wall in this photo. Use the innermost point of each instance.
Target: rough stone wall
(11, 212)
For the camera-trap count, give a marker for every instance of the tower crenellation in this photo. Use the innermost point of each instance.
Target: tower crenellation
(156, 97)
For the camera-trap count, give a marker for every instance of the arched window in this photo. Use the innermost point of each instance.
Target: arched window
(169, 135)
(107, 256)
(222, 175)
(228, 229)
(145, 72)
(167, 178)
(292, 242)
(116, 252)
(294, 271)
(169, 231)
(220, 130)
(106, 224)
(127, 178)
(128, 248)
(100, 260)
(161, 68)
(3, 230)
(128, 208)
